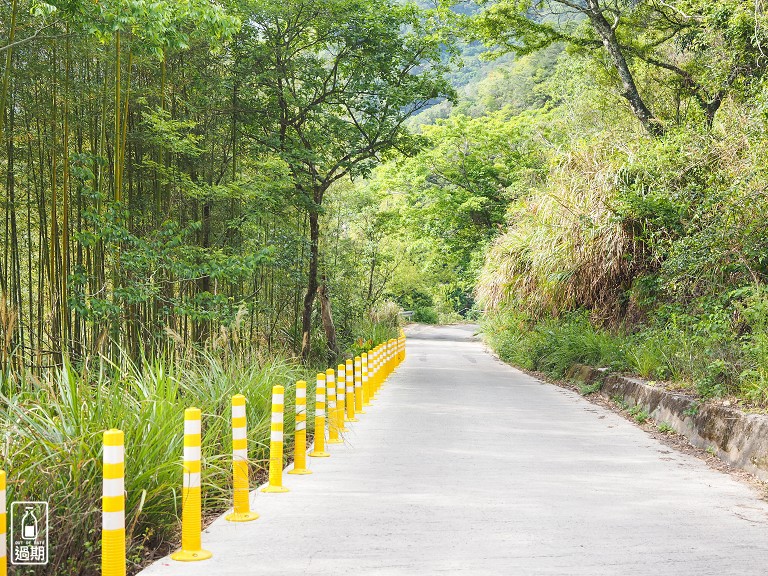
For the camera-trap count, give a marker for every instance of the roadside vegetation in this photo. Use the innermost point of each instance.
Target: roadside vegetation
(179, 224)
(53, 448)
(52, 435)
(599, 196)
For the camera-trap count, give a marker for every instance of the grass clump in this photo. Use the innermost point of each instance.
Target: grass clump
(553, 345)
(51, 432)
(587, 389)
(715, 347)
(638, 414)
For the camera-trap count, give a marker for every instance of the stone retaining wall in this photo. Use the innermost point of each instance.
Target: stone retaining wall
(738, 438)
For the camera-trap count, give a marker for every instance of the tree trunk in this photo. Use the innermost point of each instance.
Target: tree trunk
(309, 297)
(629, 88)
(328, 327)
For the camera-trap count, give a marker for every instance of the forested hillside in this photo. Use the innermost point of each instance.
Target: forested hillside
(599, 196)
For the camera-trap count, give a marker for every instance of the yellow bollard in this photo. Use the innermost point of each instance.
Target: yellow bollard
(3, 524)
(369, 372)
(400, 349)
(242, 506)
(349, 376)
(370, 367)
(341, 393)
(370, 358)
(300, 436)
(333, 414)
(381, 369)
(358, 385)
(276, 443)
(367, 395)
(319, 447)
(112, 505)
(191, 504)
(383, 364)
(392, 354)
(381, 374)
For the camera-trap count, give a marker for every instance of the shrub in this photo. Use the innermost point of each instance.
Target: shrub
(553, 345)
(425, 315)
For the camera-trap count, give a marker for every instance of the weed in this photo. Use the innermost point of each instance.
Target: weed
(712, 450)
(715, 345)
(58, 422)
(587, 389)
(715, 378)
(620, 402)
(552, 345)
(638, 414)
(693, 409)
(665, 428)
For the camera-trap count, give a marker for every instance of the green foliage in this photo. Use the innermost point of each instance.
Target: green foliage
(53, 433)
(640, 416)
(425, 314)
(587, 389)
(691, 52)
(706, 347)
(657, 239)
(553, 345)
(694, 344)
(620, 402)
(382, 323)
(449, 201)
(665, 428)
(145, 262)
(344, 76)
(693, 410)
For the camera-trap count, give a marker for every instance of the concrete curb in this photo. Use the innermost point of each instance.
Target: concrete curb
(738, 438)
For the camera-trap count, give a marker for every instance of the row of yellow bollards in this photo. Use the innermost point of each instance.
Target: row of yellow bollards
(345, 392)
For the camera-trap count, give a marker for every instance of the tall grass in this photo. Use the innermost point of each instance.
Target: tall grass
(565, 247)
(51, 434)
(712, 349)
(553, 345)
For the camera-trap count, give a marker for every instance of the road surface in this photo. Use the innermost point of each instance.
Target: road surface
(466, 466)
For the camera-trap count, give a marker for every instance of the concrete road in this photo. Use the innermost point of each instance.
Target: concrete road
(466, 466)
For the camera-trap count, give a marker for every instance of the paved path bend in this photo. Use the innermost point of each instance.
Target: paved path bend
(466, 466)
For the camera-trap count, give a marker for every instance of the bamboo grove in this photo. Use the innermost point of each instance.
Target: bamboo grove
(164, 166)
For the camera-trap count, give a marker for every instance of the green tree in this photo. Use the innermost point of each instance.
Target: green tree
(328, 86)
(700, 49)
(451, 198)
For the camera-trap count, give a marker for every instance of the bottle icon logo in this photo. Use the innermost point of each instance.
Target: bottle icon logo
(29, 533)
(29, 524)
